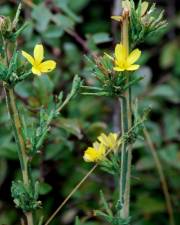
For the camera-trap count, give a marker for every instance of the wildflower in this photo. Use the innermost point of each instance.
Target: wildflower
(95, 153)
(110, 141)
(123, 61)
(38, 66)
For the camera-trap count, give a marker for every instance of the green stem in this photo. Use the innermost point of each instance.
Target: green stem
(125, 174)
(125, 209)
(70, 194)
(17, 127)
(126, 124)
(66, 101)
(124, 155)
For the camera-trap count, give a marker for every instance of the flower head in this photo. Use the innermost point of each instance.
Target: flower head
(109, 141)
(38, 66)
(101, 147)
(123, 61)
(95, 153)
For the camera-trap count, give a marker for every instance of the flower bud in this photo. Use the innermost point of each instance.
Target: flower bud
(5, 24)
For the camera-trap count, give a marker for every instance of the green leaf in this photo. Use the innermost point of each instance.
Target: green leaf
(100, 38)
(77, 221)
(163, 91)
(8, 149)
(53, 32)
(64, 6)
(43, 87)
(63, 21)
(145, 163)
(167, 55)
(177, 63)
(171, 131)
(71, 126)
(73, 56)
(170, 155)
(78, 5)
(149, 205)
(105, 204)
(54, 151)
(44, 188)
(42, 15)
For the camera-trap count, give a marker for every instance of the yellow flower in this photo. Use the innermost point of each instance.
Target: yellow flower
(38, 66)
(95, 153)
(110, 141)
(123, 61)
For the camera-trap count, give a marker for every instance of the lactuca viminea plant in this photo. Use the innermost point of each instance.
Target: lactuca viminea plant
(116, 78)
(14, 68)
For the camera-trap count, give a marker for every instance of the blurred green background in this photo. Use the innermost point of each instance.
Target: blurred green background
(69, 29)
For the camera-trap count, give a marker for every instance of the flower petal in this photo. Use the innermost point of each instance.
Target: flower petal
(117, 18)
(47, 66)
(91, 155)
(120, 53)
(103, 139)
(36, 71)
(133, 57)
(96, 145)
(38, 53)
(118, 68)
(102, 151)
(28, 57)
(133, 67)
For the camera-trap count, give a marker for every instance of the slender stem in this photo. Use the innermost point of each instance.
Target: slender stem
(66, 101)
(125, 173)
(70, 194)
(124, 155)
(161, 175)
(17, 126)
(125, 209)
(14, 114)
(29, 218)
(126, 123)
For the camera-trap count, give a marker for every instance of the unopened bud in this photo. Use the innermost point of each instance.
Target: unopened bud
(5, 24)
(125, 13)
(126, 5)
